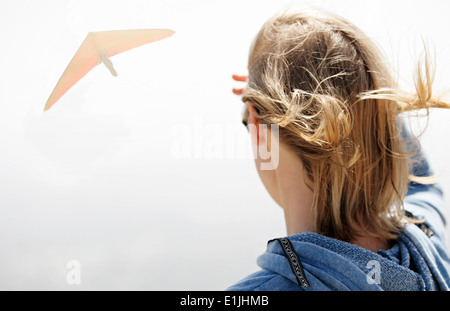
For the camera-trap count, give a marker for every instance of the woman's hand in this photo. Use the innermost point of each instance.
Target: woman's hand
(238, 91)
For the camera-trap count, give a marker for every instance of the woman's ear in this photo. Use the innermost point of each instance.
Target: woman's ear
(257, 134)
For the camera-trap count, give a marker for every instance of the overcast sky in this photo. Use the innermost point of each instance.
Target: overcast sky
(103, 178)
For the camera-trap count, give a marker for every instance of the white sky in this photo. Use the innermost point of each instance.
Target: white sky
(97, 178)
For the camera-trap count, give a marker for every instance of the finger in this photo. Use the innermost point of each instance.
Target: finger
(242, 78)
(238, 91)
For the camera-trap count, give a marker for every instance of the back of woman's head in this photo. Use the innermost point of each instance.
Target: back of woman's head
(325, 84)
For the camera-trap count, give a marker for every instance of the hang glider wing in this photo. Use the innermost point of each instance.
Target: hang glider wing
(97, 48)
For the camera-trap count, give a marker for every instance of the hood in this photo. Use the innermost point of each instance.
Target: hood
(413, 263)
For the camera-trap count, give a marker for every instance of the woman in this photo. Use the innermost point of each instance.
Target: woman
(361, 208)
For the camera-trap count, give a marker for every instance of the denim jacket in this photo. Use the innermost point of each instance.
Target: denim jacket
(418, 261)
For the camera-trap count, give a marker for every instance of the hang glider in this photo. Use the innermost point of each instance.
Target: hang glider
(97, 48)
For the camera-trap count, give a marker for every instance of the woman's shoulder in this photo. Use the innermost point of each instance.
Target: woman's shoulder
(264, 280)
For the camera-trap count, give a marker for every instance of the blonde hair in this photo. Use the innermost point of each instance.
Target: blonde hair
(325, 84)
